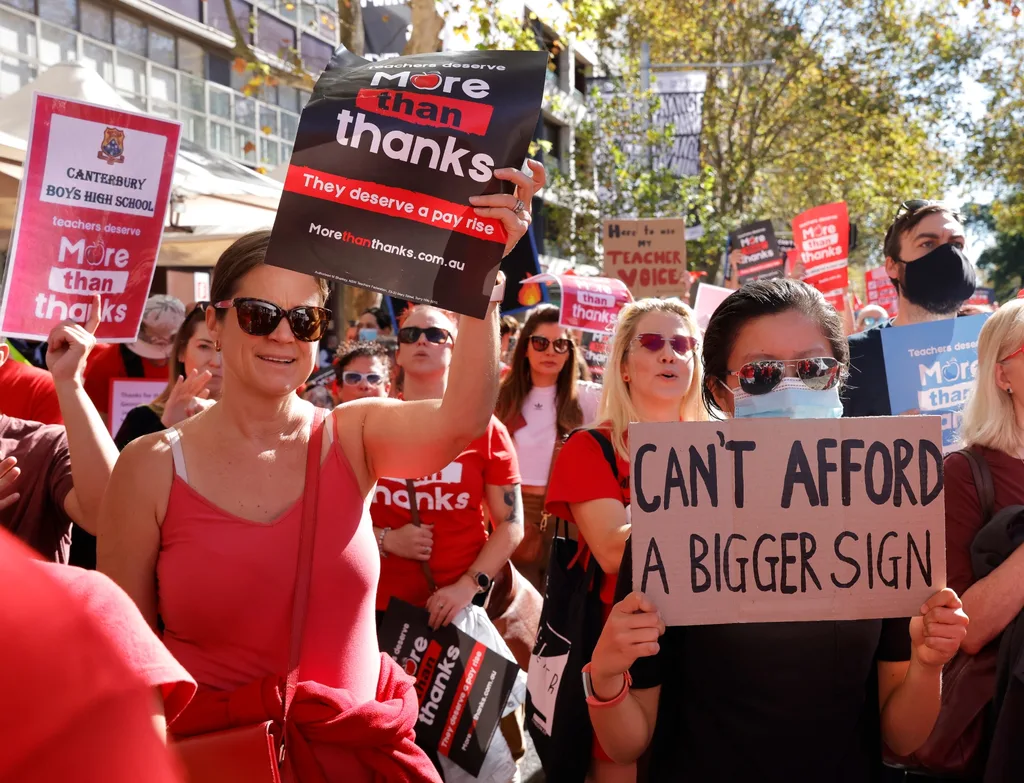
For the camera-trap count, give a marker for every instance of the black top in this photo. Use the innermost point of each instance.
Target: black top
(867, 389)
(766, 702)
(141, 420)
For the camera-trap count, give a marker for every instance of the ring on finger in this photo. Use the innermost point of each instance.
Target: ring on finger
(519, 207)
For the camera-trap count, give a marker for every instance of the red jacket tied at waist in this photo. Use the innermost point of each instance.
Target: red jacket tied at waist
(379, 733)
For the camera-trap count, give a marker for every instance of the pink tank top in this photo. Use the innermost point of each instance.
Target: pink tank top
(225, 586)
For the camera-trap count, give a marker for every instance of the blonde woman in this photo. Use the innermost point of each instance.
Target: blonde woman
(653, 374)
(992, 428)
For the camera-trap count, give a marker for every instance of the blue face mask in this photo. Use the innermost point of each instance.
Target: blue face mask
(791, 399)
(367, 335)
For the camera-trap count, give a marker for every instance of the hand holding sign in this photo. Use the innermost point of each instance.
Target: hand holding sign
(936, 635)
(514, 211)
(632, 631)
(69, 344)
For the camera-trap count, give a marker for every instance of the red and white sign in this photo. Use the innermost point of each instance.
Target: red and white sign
(128, 393)
(588, 303)
(90, 218)
(881, 291)
(822, 237)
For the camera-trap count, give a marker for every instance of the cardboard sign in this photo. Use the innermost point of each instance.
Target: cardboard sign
(931, 369)
(822, 237)
(128, 393)
(595, 352)
(707, 301)
(461, 685)
(89, 220)
(881, 291)
(775, 520)
(386, 158)
(762, 257)
(649, 256)
(591, 304)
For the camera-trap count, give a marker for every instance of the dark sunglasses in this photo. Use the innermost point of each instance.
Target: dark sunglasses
(353, 378)
(819, 374)
(540, 344)
(260, 318)
(434, 334)
(682, 344)
(199, 307)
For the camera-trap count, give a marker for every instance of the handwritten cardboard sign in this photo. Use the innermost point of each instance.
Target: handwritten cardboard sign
(386, 158)
(90, 218)
(649, 256)
(591, 304)
(462, 686)
(128, 393)
(931, 369)
(775, 520)
(822, 237)
(880, 290)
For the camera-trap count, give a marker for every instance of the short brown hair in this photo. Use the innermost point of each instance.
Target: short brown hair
(509, 325)
(245, 254)
(906, 222)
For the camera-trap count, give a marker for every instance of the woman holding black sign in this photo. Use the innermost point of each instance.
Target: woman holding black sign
(788, 702)
(203, 524)
(653, 374)
(542, 399)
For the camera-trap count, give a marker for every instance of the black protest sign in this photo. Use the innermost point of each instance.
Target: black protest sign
(385, 160)
(325, 376)
(762, 257)
(773, 520)
(461, 685)
(595, 352)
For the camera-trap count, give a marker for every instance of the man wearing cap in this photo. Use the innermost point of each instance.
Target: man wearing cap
(924, 258)
(147, 357)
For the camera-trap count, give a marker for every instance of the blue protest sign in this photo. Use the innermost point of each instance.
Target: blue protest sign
(931, 369)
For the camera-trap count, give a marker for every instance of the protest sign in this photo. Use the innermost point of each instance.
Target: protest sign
(880, 290)
(462, 686)
(931, 368)
(89, 220)
(591, 304)
(983, 296)
(707, 301)
(649, 256)
(762, 258)
(128, 393)
(595, 352)
(822, 237)
(386, 158)
(775, 520)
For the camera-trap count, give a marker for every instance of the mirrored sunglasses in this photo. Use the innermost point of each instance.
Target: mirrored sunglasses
(760, 377)
(682, 344)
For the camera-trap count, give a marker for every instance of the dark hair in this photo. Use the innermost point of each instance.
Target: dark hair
(196, 315)
(245, 254)
(519, 381)
(350, 353)
(509, 325)
(381, 316)
(907, 220)
(754, 300)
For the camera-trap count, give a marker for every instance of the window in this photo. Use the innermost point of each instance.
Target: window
(217, 17)
(97, 22)
(17, 34)
(191, 58)
(28, 6)
(289, 126)
(268, 121)
(130, 35)
(190, 8)
(274, 36)
(246, 149)
(288, 98)
(269, 156)
(219, 70)
(194, 127)
(220, 103)
(56, 45)
(130, 75)
(161, 48)
(193, 94)
(245, 111)
(14, 74)
(220, 137)
(99, 58)
(163, 85)
(62, 12)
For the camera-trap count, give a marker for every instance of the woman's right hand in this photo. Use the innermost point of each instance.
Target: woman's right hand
(632, 631)
(410, 542)
(183, 396)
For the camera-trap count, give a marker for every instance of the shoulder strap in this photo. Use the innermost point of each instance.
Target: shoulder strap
(173, 438)
(982, 481)
(608, 449)
(307, 534)
(414, 511)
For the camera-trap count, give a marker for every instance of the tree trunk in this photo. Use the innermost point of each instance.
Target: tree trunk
(350, 26)
(427, 23)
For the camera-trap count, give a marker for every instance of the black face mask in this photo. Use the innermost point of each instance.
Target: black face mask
(939, 282)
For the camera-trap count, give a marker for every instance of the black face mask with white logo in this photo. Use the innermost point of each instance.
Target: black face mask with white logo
(939, 282)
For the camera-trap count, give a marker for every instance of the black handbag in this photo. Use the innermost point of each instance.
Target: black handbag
(570, 624)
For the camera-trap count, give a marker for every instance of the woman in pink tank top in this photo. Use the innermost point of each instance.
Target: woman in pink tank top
(201, 523)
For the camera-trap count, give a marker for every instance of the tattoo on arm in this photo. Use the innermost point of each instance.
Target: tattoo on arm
(513, 503)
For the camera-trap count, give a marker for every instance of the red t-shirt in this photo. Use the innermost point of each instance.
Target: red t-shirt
(28, 393)
(963, 509)
(581, 473)
(453, 502)
(72, 709)
(106, 363)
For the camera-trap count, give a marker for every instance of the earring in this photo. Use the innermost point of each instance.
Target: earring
(216, 346)
(625, 379)
(1009, 390)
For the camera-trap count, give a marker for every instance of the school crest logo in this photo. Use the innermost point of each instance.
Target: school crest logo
(112, 148)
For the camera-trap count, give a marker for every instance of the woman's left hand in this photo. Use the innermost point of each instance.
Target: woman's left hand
(514, 211)
(448, 601)
(936, 634)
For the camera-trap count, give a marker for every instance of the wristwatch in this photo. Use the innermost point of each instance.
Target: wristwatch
(483, 582)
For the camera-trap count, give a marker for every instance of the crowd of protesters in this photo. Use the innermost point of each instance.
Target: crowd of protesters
(450, 446)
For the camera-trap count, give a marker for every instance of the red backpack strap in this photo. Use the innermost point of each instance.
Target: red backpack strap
(982, 481)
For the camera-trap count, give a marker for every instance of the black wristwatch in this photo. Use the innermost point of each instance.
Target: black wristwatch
(483, 582)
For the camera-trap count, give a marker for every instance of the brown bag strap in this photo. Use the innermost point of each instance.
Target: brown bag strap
(414, 511)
